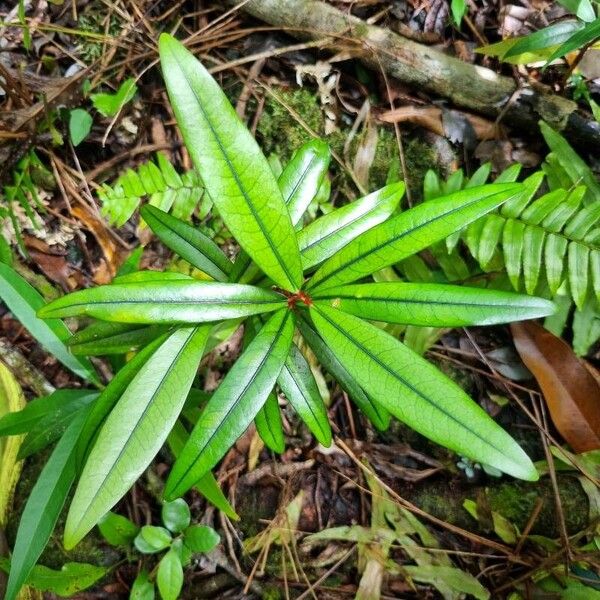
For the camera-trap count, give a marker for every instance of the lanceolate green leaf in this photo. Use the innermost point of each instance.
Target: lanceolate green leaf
(111, 394)
(234, 170)
(53, 424)
(378, 415)
(434, 305)
(189, 243)
(43, 507)
(410, 232)
(325, 236)
(300, 388)
(166, 302)
(415, 392)
(23, 301)
(581, 38)
(206, 485)
(269, 426)
(235, 403)
(544, 38)
(103, 338)
(302, 176)
(136, 429)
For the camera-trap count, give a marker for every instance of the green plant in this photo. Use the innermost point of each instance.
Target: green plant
(22, 194)
(177, 538)
(122, 430)
(548, 243)
(160, 182)
(554, 41)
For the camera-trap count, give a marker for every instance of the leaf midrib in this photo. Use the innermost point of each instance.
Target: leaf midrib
(308, 247)
(413, 301)
(236, 401)
(274, 249)
(306, 402)
(141, 418)
(405, 383)
(394, 239)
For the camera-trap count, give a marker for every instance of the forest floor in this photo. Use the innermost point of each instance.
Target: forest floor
(390, 507)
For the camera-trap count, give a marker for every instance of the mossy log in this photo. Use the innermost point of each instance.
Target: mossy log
(467, 86)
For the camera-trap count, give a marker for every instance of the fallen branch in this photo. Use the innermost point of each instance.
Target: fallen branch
(465, 85)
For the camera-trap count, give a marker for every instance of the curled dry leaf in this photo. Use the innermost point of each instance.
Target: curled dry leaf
(571, 392)
(430, 117)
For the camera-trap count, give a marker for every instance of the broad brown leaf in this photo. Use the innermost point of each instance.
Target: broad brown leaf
(571, 392)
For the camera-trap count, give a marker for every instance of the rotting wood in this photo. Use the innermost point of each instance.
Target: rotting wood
(465, 85)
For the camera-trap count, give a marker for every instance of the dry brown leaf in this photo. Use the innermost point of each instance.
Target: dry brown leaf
(430, 117)
(571, 392)
(112, 254)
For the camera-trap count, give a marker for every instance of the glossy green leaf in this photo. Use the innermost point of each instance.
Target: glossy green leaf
(269, 426)
(582, 8)
(12, 400)
(434, 305)
(200, 538)
(111, 394)
(104, 338)
(150, 275)
(23, 301)
(300, 388)
(488, 242)
(302, 177)
(53, 424)
(378, 415)
(189, 243)
(416, 393)
(142, 588)
(43, 507)
(152, 539)
(168, 302)
(235, 403)
(17, 422)
(410, 232)
(234, 170)
(117, 530)
(207, 485)
(588, 34)
(169, 577)
(328, 234)
(547, 37)
(136, 429)
(176, 515)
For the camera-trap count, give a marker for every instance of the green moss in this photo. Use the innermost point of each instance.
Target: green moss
(281, 130)
(514, 500)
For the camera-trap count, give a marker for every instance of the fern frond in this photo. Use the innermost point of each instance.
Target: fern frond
(158, 181)
(554, 232)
